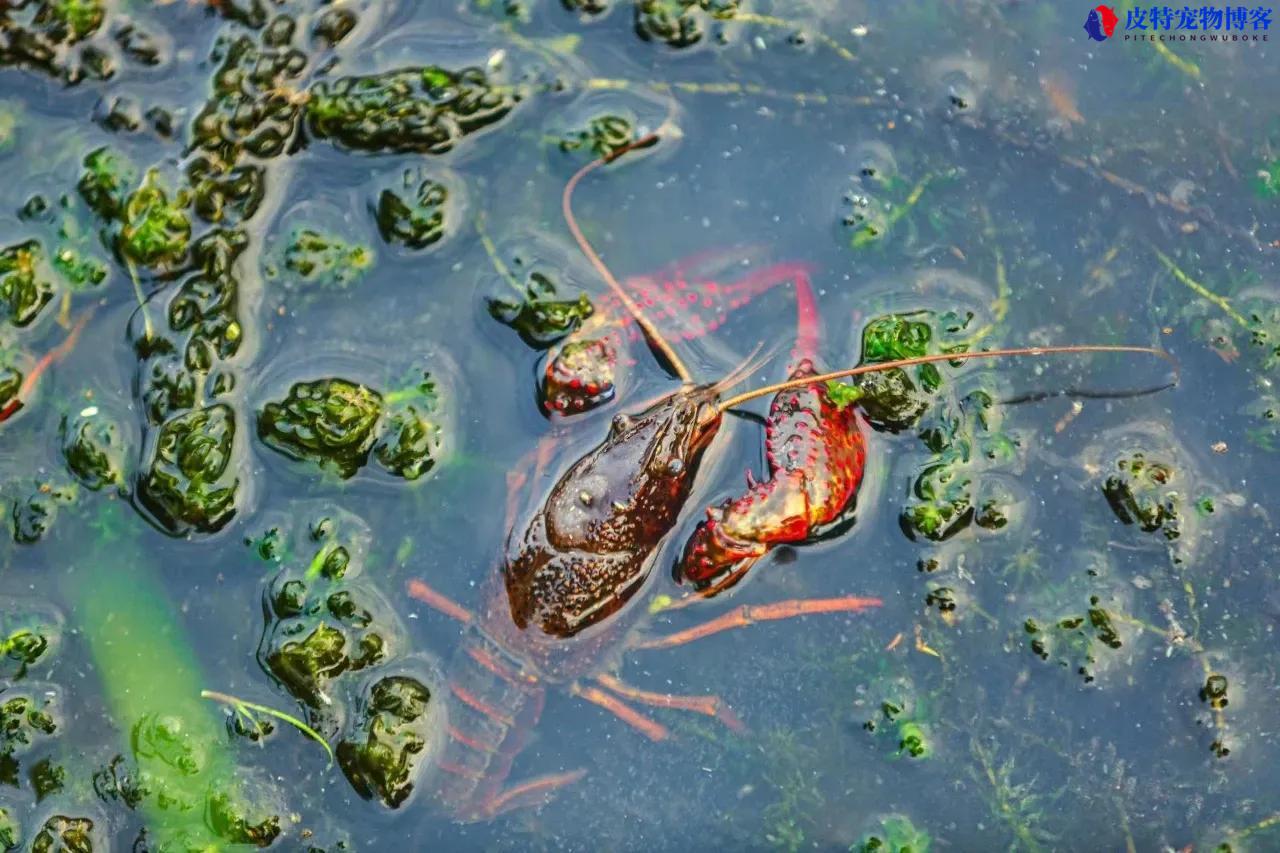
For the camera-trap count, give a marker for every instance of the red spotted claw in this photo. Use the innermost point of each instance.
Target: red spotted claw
(816, 451)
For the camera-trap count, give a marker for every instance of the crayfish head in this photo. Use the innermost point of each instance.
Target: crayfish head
(705, 415)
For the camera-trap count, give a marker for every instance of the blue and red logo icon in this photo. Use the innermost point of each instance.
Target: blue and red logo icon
(1101, 23)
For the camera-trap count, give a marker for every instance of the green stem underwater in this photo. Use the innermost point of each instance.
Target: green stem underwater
(1183, 278)
(239, 705)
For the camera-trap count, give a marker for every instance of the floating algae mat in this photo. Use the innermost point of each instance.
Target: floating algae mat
(309, 310)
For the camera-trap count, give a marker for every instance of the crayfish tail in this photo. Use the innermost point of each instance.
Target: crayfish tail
(492, 708)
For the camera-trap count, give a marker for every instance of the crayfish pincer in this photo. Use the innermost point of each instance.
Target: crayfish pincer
(587, 551)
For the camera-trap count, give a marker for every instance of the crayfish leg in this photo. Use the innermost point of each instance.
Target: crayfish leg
(730, 580)
(536, 792)
(750, 614)
(710, 705)
(419, 591)
(651, 729)
(529, 468)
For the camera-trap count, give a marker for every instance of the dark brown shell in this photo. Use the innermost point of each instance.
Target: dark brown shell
(584, 554)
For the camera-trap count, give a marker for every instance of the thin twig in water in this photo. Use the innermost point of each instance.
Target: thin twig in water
(731, 89)
(142, 299)
(242, 707)
(1220, 301)
(1000, 307)
(781, 23)
(1186, 66)
(53, 355)
(491, 249)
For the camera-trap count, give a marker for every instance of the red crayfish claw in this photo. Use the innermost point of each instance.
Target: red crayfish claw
(714, 559)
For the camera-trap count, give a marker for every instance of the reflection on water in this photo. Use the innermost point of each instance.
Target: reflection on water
(321, 260)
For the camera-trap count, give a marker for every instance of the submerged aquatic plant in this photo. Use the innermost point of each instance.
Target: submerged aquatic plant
(63, 832)
(155, 231)
(539, 317)
(1143, 492)
(104, 182)
(413, 435)
(790, 775)
(94, 450)
(680, 23)
(892, 399)
(21, 649)
(870, 218)
(1266, 182)
(1073, 641)
(894, 834)
(384, 753)
(331, 422)
(325, 260)
(1014, 799)
(604, 136)
(413, 214)
(336, 424)
(34, 513)
(427, 110)
(190, 483)
(274, 89)
(25, 285)
(26, 719)
(323, 623)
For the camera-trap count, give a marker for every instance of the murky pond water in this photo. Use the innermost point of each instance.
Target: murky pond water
(279, 285)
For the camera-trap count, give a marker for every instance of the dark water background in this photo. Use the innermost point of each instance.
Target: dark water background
(1065, 167)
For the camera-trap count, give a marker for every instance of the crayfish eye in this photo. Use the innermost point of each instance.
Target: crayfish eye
(675, 466)
(621, 422)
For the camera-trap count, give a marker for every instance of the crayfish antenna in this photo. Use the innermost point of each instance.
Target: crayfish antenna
(959, 356)
(566, 203)
(745, 368)
(1084, 394)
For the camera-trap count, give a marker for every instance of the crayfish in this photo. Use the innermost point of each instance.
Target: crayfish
(556, 609)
